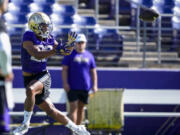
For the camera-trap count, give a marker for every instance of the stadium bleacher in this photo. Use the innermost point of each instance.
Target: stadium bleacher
(60, 15)
(101, 41)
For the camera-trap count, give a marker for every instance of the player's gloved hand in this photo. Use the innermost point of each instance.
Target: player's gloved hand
(66, 49)
(71, 38)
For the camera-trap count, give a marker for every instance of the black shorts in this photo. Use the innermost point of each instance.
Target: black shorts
(81, 95)
(43, 77)
(4, 115)
(2, 100)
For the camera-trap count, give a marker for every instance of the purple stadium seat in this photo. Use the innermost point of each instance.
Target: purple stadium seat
(177, 3)
(158, 6)
(37, 7)
(18, 19)
(14, 31)
(84, 20)
(124, 7)
(45, 1)
(61, 20)
(147, 3)
(169, 2)
(60, 32)
(63, 9)
(176, 18)
(168, 9)
(34, 7)
(75, 28)
(163, 6)
(133, 5)
(18, 9)
(19, 2)
(176, 22)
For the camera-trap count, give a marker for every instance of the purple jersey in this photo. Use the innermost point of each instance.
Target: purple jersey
(79, 64)
(30, 63)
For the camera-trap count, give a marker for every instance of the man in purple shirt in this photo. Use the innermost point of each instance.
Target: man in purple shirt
(79, 69)
(38, 44)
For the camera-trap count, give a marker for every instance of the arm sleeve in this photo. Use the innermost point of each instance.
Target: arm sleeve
(5, 54)
(28, 36)
(93, 63)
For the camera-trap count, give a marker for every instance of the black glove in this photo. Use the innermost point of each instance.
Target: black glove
(66, 49)
(148, 15)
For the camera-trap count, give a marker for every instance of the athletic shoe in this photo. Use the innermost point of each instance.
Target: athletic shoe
(81, 130)
(21, 130)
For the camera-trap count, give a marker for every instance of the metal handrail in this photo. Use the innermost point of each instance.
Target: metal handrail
(151, 114)
(94, 27)
(126, 114)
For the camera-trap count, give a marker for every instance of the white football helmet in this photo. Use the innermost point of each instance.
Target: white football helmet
(40, 24)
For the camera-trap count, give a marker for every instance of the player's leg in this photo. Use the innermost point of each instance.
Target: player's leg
(80, 113)
(82, 101)
(35, 87)
(50, 109)
(73, 104)
(73, 109)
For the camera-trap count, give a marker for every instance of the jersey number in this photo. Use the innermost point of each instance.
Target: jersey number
(42, 48)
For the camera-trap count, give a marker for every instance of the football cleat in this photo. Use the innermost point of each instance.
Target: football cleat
(81, 130)
(21, 130)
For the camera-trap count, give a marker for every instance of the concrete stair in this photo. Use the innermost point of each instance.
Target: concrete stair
(86, 12)
(164, 55)
(66, 2)
(106, 22)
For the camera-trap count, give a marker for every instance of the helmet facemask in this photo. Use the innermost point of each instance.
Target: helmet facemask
(45, 30)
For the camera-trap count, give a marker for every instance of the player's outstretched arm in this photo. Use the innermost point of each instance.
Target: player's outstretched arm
(66, 48)
(37, 52)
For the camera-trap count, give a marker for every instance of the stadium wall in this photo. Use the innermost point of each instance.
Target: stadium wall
(120, 78)
(146, 90)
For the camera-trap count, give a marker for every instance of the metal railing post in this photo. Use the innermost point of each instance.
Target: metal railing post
(97, 10)
(138, 29)
(76, 3)
(144, 46)
(117, 12)
(159, 40)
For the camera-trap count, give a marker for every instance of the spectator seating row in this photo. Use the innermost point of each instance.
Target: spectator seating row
(36, 7)
(20, 10)
(126, 8)
(19, 2)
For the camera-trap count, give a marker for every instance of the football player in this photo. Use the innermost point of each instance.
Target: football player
(37, 45)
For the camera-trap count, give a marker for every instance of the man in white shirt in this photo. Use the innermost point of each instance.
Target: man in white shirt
(6, 74)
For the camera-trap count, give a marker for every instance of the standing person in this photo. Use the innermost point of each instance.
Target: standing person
(79, 69)
(6, 74)
(37, 45)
